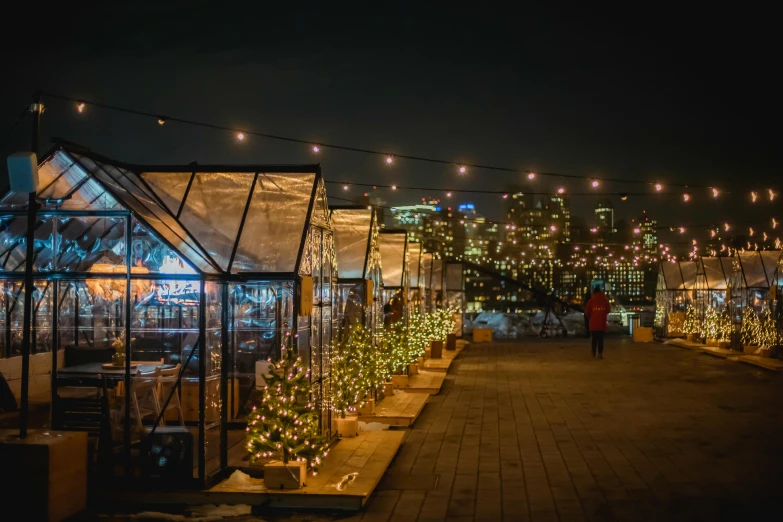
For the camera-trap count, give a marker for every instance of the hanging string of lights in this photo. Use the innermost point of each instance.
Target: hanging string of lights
(389, 158)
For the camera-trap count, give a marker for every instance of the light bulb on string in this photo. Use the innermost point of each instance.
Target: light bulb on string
(682, 230)
(624, 197)
(316, 149)
(765, 236)
(345, 187)
(658, 187)
(595, 183)
(713, 233)
(753, 197)
(726, 227)
(715, 192)
(774, 223)
(771, 194)
(394, 187)
(561, 190)
(448, 194)
(161, 121)
(389, 160)
(751, 232)
(686, 197)
(531, 176)
(240, 136)
(80, 106)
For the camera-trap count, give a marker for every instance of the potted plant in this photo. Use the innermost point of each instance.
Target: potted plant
(118, 357)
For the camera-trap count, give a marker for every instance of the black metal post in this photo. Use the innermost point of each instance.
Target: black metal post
(224, 375)
(55, 348)
(202, 377)
(32, 208)
(126, 434)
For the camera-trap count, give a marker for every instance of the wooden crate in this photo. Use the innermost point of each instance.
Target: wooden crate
(189, 400)
(643, 334)
(482, 335)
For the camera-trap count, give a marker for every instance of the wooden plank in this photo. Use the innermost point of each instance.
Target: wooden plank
(426, 382)
(444, 363)
(401, 409)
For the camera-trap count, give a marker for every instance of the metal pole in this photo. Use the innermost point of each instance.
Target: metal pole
(32, 208)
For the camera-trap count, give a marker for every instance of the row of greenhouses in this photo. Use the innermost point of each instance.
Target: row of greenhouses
(731, 300)
(200, 274)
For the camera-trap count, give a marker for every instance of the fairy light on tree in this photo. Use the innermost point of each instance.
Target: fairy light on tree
(767, 332)
(751, 327)
(692, 324)
(711, 323)
(285, 424)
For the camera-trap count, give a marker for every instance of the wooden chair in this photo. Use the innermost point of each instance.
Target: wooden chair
(167, 382)
(143, 397)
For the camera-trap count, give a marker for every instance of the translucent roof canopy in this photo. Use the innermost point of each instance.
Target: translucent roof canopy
(454, 278)
(759, 268)
(352, 229)
(673, 277)
(414, 260)
(717, 271)
(222, 219)
(393, 257)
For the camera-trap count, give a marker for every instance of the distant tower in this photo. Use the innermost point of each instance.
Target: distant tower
(604, 215)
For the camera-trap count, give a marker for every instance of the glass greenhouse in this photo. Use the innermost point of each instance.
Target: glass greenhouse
(426, 276)
(177, 283)
(355, 232)
(396, 275)
(416, 293)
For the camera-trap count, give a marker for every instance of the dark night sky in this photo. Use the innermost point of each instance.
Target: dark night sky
(646, 94)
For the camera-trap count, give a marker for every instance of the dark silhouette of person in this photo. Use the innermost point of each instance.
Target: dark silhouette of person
(596, 311)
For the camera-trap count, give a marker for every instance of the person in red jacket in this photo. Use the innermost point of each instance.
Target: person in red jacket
(596, 311)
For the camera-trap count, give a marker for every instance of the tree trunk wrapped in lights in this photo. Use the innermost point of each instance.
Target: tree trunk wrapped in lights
(692, 325)
(285, 425)
(751, 327)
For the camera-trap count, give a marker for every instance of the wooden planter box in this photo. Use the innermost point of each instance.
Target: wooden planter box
(44, 475)
(747, 348)
(347, 427)
(724, 345)
(413, 369)
(400, 381)
(451, 342)
(436, 349)
(712, 342)
(368, 408)
(387, 389)
(285, 476)
(691, 338)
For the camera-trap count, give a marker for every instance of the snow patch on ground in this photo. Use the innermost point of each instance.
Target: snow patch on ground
(513, 326)
(372, 426)
(242, 481)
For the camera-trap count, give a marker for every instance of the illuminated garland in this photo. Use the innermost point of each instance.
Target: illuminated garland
(350, 375)
(285, 425)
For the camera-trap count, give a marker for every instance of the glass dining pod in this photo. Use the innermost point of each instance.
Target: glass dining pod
(674, 292)
(358, 258)
(164, 290)
(426, 277)
(437, 284)
(393, 247)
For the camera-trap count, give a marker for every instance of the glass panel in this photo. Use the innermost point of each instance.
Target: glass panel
(689, 270)
(59, 177)
(351, 228)
(270, 239)
(90, 244)
(327, 262)
(90, 318)
(12, 317)
(392, 248)
(12, 243)
(755, 277)
(148, 252)
(125, 183)
(320, 214)
(672, 275)
(214, 310)
(213, 210)
(169, 186)
(306, 265)
(454, 278)
(770, 259)
(315, 241)
(414, 264)
(437, 274)
(713, 270)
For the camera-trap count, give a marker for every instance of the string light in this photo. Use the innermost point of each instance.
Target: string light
(752, 232)
(682, 230)
(561, 190)
(686, 197)
(771, 194)
(531, 175)
(389, 160)
(80, 106)
(726, 227)
(463, 169)
(345, 187)
(394, 187)
(624, 197)
(161, 121)
(595, 183)
(316, 149)
(715, 192)
(240, 136)
(658, 187)
(753, 197)
(448, 194)
(774, 223)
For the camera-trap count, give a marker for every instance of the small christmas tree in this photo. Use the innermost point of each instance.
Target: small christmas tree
(711, 323)
(692, 325)
(724, 325)
(352, 371)
(768, 332)
(285, 425)
(751, 327)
